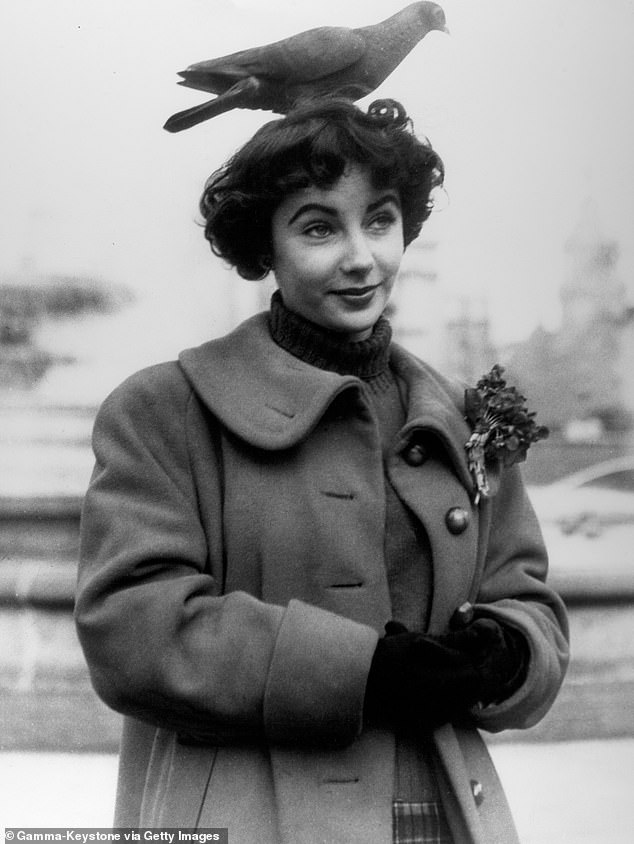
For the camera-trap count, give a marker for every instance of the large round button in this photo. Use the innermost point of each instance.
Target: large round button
(415, 455)
(457, 520)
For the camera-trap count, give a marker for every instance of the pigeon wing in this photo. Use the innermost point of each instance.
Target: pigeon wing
(301, 58)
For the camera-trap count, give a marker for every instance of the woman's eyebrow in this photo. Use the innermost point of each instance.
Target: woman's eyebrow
(312, 206)
(326, 209)
(389, 197)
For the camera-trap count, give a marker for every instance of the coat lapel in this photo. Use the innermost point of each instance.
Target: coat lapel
(432, 490)
(272, 400)
(259, 391)
(435, 407)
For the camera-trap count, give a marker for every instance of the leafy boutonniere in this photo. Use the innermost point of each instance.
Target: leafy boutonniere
(503, 429)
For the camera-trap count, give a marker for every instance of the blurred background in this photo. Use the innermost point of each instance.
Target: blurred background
(528, 261)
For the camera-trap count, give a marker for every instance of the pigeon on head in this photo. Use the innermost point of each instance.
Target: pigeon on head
(328, 60)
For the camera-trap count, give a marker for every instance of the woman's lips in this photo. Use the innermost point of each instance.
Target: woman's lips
(358, 293)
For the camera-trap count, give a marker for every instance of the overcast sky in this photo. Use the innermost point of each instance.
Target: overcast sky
(529, 104)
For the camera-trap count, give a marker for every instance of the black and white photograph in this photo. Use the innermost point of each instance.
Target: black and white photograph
(317, 421)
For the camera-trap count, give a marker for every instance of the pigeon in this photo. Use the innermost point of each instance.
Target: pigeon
(333, 60)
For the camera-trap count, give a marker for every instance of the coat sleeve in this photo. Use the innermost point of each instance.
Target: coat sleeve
(513, 589)
(162, 642)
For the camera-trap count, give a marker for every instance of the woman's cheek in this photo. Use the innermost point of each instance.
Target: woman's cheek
(320, 265)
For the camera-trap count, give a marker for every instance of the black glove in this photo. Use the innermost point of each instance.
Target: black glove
(499, 653)
(417, 682)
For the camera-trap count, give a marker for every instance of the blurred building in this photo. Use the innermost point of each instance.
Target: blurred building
(626, 357)
(450, 333)
(584, 371)
(468, 351)
(416, 309)
(34, 304)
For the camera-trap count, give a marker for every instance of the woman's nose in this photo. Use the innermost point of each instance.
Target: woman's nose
(358, 258)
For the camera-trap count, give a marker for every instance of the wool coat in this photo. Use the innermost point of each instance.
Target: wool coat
(232, 588)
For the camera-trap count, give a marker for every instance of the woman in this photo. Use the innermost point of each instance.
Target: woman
(263, 508)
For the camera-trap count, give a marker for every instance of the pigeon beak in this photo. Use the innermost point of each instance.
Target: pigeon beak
(446, 30)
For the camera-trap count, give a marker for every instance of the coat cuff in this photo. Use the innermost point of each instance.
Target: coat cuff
(547, 663)
(316, 683)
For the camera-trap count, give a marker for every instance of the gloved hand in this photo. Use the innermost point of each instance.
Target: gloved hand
(499, 653)
(417, 681)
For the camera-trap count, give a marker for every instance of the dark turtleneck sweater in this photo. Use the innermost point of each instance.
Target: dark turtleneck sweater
(406, 546)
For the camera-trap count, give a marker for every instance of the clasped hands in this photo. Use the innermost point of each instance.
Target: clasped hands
(417, 681)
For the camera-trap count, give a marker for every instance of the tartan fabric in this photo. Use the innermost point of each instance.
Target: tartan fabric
(419, 823)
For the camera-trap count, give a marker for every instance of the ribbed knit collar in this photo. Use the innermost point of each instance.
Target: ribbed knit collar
(367, 359)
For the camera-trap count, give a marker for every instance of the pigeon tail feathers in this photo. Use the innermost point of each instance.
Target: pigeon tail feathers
(241, 95)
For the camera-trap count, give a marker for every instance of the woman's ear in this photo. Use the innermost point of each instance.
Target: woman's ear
(266, 263)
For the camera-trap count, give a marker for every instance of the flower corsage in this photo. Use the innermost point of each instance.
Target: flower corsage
(503, 428)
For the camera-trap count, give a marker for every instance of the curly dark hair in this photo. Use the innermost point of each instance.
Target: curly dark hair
(313, 145)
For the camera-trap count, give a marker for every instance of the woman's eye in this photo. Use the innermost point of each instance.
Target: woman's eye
(318, 230)
(382, 221)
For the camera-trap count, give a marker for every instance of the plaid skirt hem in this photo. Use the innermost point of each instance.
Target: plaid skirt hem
(419, 823)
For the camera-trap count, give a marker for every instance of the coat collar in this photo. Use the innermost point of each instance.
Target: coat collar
(272, 400)
(259, 391)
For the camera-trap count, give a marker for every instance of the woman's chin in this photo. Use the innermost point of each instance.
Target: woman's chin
(357, 323)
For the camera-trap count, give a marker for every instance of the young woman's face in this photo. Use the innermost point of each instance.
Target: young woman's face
(336, 252)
